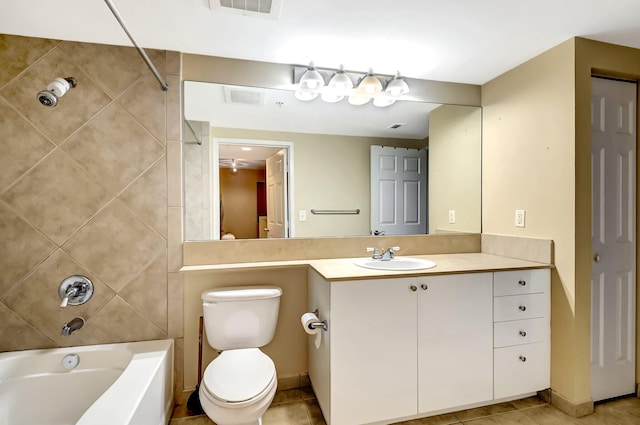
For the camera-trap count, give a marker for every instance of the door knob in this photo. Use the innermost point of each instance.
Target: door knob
(596, 258)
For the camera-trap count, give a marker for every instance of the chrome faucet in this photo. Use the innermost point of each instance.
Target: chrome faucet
(388, 253)
(72, 326)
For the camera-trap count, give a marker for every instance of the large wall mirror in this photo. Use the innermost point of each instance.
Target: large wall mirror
(324, 152)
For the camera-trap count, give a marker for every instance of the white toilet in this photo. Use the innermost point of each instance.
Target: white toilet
(238, 386)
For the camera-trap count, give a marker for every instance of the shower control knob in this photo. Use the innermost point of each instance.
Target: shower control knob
(414, 288)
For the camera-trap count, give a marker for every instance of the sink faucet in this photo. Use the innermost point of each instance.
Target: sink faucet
(386, 255)
(72, 326)
(389, 253)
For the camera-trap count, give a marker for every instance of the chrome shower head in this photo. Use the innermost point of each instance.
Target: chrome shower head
(55, 90)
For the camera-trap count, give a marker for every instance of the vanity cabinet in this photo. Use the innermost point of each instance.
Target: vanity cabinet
(405, 347)
(521, 332)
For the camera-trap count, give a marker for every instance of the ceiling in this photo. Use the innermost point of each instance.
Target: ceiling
(467, 41)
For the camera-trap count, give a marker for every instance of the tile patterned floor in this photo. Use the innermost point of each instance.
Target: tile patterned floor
(299, 407)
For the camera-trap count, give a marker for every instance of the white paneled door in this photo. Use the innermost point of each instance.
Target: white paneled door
(398, 191)
(613, 272)
(276, 171)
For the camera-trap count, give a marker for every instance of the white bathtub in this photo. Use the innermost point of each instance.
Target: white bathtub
(115, 384)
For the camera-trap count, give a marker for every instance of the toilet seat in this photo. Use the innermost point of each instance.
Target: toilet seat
(239, 377)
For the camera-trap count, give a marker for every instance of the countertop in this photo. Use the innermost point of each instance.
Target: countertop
(345, 269)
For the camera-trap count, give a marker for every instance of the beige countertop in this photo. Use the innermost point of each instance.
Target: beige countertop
(345, 269)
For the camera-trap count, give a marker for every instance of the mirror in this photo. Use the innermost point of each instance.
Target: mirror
(326, 149)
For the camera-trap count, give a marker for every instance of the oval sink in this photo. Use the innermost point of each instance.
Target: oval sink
(397, 263)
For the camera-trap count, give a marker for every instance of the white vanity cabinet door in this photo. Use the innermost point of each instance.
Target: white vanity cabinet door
(521, 369)
(373, 350)
(455, 340)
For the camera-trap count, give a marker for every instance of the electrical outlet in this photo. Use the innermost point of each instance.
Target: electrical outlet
(302, 215)
(519, 218)
(452, 216)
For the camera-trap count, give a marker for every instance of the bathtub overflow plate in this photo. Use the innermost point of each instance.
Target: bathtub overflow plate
(70, 361)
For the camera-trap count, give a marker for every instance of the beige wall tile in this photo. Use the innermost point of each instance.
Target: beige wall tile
(174, 108)
(22, 248)
(21, 145)
(75, 109)
(113, 68)
(174, 241)
(147, 293)
(17, 334)
(116, 322)
(57, 196)
(146, 102)
(175, 305)
(37, 298)
(147, 197)
(173, 63)
(174, 174)
(17, 53)
(115, 245)
(114, 148)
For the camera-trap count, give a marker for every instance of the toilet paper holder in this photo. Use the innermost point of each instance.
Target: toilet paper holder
(320, 324)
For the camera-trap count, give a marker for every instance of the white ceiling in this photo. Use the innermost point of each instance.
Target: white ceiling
(468, 41)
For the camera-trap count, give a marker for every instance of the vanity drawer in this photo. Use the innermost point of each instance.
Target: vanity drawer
(520, 332)
(520, 369)
(520, 282)
(518, 307)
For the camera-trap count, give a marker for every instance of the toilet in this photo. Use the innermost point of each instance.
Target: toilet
(238, 386)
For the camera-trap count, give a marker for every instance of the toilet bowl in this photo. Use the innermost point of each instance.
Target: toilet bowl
(238, 387)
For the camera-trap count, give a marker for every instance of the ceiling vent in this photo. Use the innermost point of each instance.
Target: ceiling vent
(245, 96)
(257, 8)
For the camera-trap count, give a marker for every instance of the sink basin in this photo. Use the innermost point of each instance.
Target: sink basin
(397, 263)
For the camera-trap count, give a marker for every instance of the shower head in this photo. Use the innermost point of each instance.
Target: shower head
(56, 89)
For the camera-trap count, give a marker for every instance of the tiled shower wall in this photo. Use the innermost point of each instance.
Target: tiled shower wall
(90, 187)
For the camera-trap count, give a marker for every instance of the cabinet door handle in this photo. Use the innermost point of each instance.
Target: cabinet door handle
(522, 308)
(414, 288)
(522, 358)
(522, 282)
(424, 286)
(522, 333)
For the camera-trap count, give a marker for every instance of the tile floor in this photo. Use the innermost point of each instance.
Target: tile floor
(299, 407)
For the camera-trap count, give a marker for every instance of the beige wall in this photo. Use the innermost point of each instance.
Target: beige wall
(84, 190)
(455, 151)
(536, 156)
(330, 172)
(239, 194)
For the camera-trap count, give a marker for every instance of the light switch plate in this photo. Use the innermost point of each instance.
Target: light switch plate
(519, 218)
(302, 215)
(452, 216)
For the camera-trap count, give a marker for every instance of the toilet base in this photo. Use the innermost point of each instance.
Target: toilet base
(236, 416)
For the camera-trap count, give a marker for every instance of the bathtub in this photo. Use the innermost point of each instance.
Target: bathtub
(114, 384)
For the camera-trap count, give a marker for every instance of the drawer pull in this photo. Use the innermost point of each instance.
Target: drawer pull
(424, 286)
(522, 282)
(522, 358)
(522, 333)
(522, 308)
(414, 288)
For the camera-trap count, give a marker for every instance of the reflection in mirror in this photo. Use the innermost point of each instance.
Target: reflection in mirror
(329, 154)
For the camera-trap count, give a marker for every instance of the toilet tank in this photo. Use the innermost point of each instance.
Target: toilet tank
(241, 316)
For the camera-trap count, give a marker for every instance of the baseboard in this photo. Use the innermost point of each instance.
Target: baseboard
(292, 382)
(575, 410)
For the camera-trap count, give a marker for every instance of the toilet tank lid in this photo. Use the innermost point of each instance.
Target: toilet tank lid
(241, 293)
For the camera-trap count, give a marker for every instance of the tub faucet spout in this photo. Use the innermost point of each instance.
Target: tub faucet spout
(72, 326)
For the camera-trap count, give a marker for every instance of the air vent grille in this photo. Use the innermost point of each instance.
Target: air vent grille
(237, 95)
(260, 8)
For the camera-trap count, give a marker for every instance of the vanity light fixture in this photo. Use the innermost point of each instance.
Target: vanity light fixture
(310, 82)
